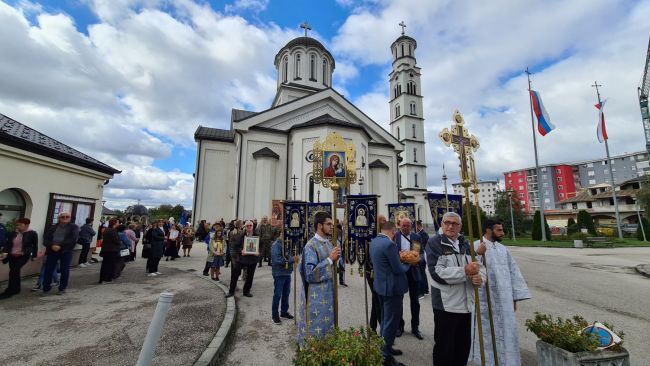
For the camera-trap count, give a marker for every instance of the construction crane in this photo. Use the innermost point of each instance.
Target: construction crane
(644, 91)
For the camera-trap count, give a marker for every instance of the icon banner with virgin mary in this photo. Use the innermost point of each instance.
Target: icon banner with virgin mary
(334, 164)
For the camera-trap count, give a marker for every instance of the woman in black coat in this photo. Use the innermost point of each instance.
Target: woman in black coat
(21, 246)
(110, 252)
(157, 247)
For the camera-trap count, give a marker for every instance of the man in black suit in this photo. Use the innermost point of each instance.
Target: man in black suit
(390, 284)
(406, 239)
(424, 281)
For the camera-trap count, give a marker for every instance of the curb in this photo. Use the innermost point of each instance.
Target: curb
(641, 270)
(218, 344)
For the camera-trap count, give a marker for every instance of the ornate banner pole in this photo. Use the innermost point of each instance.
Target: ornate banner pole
(464, 144)
(475, 191)
(335, 168)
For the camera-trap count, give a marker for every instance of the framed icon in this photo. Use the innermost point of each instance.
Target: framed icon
(251, 245)
(334, 164)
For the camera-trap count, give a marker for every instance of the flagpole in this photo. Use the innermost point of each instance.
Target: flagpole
(532, 123)
(611, 173)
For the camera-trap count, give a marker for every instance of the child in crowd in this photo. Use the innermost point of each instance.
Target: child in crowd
(219, 250)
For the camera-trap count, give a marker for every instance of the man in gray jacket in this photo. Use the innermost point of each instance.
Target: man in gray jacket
(452, 292)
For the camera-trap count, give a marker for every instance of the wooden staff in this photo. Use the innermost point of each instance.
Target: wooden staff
(475, 191)
(335, 265)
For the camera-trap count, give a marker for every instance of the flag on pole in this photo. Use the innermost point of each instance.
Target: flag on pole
(601, 132)
(544, 124)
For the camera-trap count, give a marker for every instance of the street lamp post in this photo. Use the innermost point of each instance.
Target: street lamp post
(512, 219)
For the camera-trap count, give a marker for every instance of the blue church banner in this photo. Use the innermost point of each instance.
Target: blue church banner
(295, 225)
(438, 206)
(362, 226)
(396, 211)
(312, 208)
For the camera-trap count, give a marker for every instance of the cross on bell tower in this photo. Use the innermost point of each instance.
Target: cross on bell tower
(306, 27)
(403, 25)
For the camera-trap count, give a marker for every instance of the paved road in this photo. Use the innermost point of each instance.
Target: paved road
(596, 283)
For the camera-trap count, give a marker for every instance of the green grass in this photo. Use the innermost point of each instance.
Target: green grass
(528, 242)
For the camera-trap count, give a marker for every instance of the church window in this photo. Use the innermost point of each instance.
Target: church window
(325, 72)
(400, 180)
(415, 154)
(398, 137)
(397, 111)
(399, 89)
(413, 128)
(312, 67)
(297, 68)
(395, 91)
(410, 50)
(285, 69)
(416, 179)
(402, 49)
(411, 88)
(412, 110)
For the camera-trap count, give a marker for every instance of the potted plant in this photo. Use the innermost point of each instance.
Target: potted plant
(563, 342)
(350, 347)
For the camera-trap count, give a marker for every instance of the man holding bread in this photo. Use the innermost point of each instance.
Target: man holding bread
(411, 251)
(452, 292)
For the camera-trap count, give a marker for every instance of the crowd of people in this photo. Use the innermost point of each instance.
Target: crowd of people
(399, 259)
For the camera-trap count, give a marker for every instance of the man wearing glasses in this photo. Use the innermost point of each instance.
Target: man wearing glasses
(59, 242)
(452, 291)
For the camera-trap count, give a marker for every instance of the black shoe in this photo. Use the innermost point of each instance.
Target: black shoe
(206, 274)
(276, 320)
(417, 334)
(399, 333)
(6, 295)
(61, 292)
(396, 352)
(343, 284)
(229, 295)
(259, 265)
(287, 316)
(248, 294)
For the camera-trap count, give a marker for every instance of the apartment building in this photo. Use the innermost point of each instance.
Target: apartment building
(487, 196)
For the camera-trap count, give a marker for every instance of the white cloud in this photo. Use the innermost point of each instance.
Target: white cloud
(253, 5)
(473, 56)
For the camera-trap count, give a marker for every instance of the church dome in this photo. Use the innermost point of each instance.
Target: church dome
(404, 46)
(304, 63)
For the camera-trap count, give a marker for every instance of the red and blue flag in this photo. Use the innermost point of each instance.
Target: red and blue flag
(544, 124)
(601, 131)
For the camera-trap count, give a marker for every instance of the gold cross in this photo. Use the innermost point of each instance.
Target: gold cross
(316, 312)
(318, 330)
(314, 295)
(463, 143)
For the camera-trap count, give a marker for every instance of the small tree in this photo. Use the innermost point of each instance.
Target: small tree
(537, 230)
(475, 227)
(585, 221)
(646, 227)
(571, 222)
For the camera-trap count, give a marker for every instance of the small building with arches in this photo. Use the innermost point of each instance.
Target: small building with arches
(42, 177)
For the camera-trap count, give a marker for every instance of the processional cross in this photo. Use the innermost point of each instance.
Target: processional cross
(294, 178)
(306, 27)
(403, 25)
(463, 143)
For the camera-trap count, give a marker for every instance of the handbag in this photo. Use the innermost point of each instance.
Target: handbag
(125, 253)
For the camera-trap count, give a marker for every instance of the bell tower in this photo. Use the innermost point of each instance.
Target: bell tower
(407, 120)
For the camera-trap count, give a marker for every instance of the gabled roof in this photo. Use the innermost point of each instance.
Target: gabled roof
(265, 153)
(239, 114)
(214, 134)
(16, 134)
(378, 164)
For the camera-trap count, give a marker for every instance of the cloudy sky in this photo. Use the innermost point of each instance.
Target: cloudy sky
(128, 81)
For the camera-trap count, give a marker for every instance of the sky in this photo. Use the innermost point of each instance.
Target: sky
(129, 81)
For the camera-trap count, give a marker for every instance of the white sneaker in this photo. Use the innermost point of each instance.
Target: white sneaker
(152, 275)
(83, 265)
(158, 273)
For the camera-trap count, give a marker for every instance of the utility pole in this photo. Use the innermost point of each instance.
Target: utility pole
(512, 218)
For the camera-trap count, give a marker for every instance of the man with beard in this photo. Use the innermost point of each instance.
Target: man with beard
(507, 287)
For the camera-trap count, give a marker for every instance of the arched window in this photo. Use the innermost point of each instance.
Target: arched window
(416, 179)
(413, 129)
(325, 72)
(399, 89)
(297, 68)
(285, 69)
(402, 49)
(395, 91)
(410, 50)
(411, 88)
(400, 180)
(397, 111)
(398, 135)
(312, 67)
(415, 154)
(311, 188)
(412, 111)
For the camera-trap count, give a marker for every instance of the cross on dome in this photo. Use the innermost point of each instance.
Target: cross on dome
(403, 25)
(306, 27)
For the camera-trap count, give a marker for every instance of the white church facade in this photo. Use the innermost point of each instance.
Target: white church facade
(266, 155)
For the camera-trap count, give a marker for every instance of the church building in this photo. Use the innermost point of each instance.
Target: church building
(267, 155)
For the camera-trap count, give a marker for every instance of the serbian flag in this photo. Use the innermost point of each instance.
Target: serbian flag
(544, 124)
(602, 131)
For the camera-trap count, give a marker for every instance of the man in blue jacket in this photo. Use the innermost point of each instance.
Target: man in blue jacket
(282, 267)
(406, 239)
(390, 284)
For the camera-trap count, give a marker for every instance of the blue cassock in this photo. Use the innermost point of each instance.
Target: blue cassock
(316, 311)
